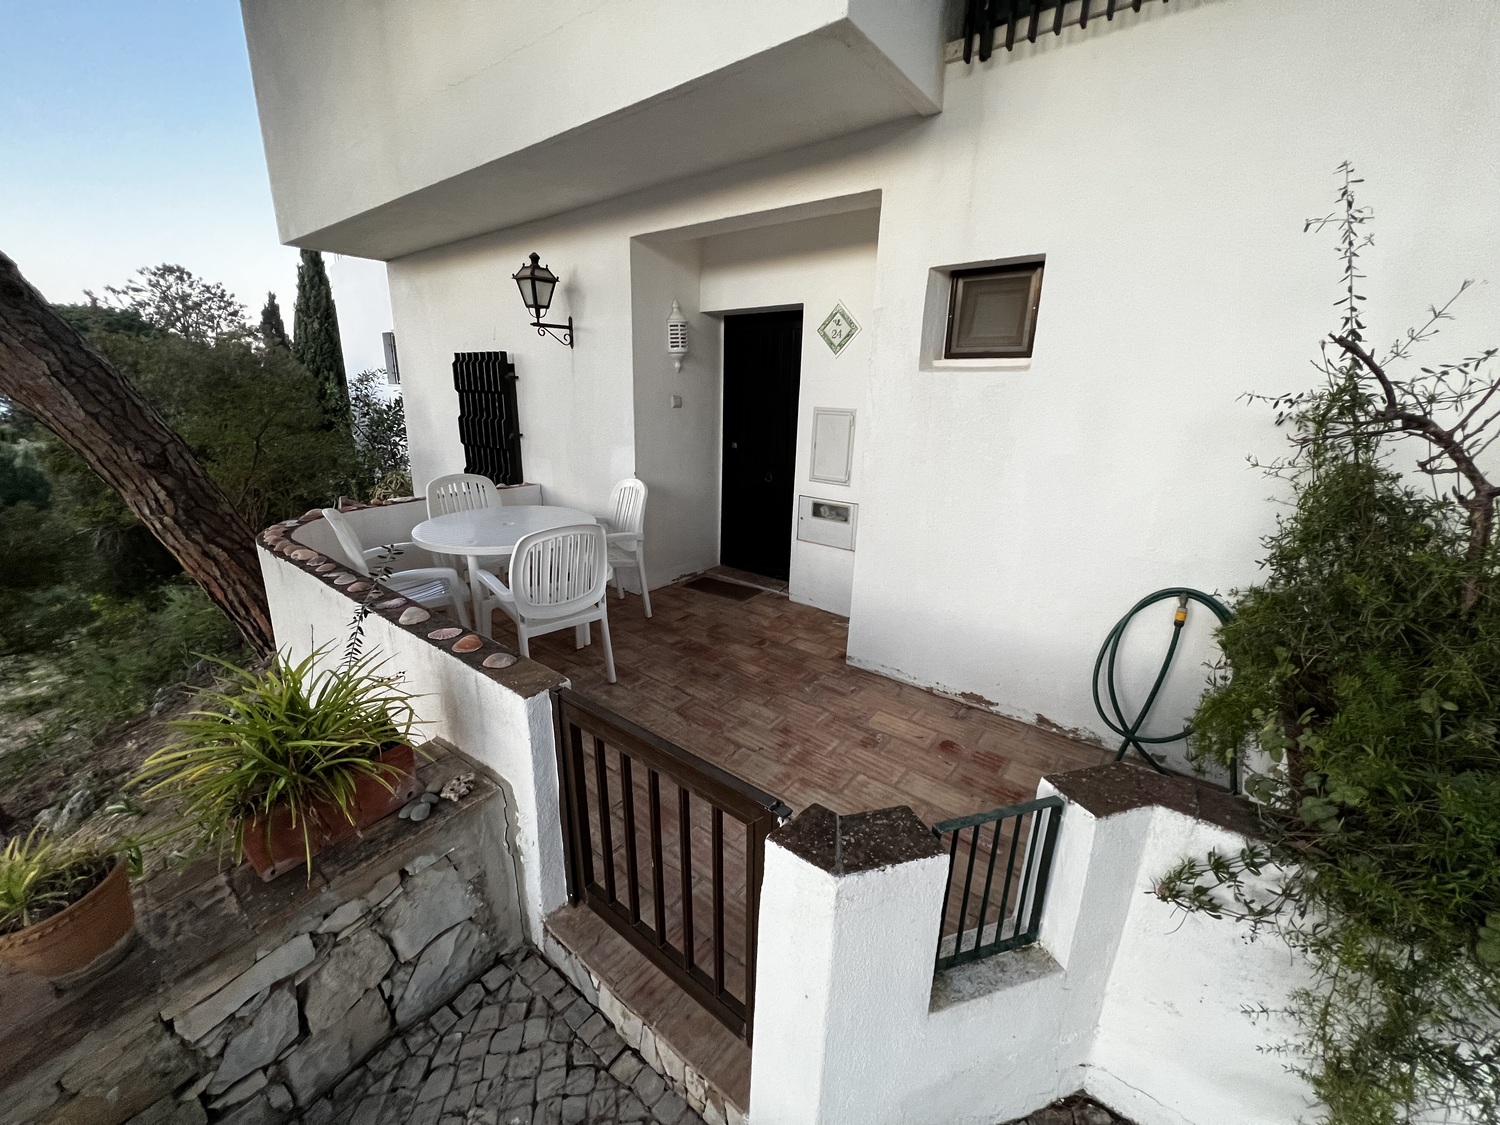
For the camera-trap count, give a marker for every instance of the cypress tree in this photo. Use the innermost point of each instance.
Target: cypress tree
(272, 330)
(316, 343)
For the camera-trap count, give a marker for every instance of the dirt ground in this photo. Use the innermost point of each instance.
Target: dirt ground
(37, 772)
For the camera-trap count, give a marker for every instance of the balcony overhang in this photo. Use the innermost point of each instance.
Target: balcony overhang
(353, 176)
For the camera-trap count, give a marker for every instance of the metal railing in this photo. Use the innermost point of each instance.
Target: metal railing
(1026, 836)
(679, 877)
(984, 20)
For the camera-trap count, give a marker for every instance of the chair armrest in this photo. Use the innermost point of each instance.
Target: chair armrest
(494, 585)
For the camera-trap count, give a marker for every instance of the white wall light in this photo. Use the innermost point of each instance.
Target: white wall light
(677, 336)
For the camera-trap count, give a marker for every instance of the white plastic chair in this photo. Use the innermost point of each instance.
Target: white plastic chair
(558, 579)
(460, 492)
(627, 534)
(425, 585)
(463, 492)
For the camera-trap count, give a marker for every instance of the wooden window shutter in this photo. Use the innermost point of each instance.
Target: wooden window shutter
(489, 424)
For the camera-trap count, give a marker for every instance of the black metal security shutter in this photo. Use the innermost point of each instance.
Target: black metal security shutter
(488, 422)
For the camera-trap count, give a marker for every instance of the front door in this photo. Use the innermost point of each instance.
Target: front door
(762, 374)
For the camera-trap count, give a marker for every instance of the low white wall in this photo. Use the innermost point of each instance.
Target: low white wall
(1173, 1043)
(509, 732)
(1123, 997)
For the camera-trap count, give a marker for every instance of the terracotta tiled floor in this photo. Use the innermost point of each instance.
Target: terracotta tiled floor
(761, 688)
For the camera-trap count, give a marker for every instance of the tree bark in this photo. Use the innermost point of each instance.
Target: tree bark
(49, 371)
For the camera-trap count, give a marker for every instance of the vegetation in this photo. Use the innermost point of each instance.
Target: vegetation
(272, 329)
(290, 736)
(95, 614)
(41, 876)
(1366, 669)
(378, 425)
(315, 340)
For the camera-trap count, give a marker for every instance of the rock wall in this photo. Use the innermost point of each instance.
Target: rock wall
(267, 1027)
(312, 1009)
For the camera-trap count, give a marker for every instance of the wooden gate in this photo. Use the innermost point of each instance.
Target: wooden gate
(668, 849)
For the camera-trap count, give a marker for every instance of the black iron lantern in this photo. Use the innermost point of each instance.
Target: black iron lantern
(536, 283)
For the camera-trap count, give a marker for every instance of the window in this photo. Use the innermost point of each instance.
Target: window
(992, 312)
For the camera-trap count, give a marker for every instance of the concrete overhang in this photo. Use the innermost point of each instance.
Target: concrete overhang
(443, 155)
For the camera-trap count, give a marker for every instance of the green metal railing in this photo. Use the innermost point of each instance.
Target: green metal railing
(999, 862)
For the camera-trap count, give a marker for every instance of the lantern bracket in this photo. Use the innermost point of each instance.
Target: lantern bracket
(553, 330)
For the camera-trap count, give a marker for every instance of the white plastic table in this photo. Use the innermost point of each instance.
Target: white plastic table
(486, 532)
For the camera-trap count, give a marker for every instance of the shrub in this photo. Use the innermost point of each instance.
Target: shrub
(1366, 667)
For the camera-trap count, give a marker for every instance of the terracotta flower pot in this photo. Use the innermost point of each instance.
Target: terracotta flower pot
(280, 848)
(77, 936)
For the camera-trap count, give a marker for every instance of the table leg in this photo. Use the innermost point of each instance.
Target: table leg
(482, 620)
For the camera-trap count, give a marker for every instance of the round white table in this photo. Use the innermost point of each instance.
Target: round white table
(486, 532)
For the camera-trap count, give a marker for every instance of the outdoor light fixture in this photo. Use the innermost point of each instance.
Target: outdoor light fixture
(677, 336)
(536, 283)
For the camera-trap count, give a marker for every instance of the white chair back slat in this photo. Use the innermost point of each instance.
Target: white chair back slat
(559, 572)
(627, 504)
(627, 538)
(461, 492)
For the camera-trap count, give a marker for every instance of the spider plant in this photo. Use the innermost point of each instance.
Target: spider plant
(41, 876)
(290, 736)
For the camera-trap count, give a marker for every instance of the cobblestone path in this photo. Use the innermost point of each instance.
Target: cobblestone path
(519, 1046)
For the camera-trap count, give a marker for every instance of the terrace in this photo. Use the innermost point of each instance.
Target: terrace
(726, 852)
(759, 685)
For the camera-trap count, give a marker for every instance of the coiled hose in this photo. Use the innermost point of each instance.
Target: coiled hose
(1129, 730)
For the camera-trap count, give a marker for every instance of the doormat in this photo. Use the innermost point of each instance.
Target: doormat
(719, 588)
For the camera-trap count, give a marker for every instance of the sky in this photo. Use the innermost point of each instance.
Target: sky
(128, 138)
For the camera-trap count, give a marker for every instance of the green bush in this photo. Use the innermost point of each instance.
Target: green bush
(132, 647)
(92, 607)
(1366, 667)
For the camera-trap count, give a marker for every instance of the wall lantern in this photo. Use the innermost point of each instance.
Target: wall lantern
(677, 336)
(536, 283)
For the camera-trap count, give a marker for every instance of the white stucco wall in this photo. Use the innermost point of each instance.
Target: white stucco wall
(395, 125)
(1124, 997)
(676, 447)
(1172, 1036)
(814, 264)
(507, 732)
(1163, 163)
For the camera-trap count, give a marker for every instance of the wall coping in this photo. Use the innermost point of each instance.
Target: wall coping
(487, 657)
(1118, 787)
(848, 845)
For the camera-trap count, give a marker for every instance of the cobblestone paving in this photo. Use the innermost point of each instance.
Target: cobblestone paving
(519, 1046)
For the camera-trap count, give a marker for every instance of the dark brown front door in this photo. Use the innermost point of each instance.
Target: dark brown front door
(762, 375)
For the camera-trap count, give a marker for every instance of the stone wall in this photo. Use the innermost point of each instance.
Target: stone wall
(385, 930)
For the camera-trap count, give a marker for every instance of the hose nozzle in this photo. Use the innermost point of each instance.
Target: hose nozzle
(1179, 619)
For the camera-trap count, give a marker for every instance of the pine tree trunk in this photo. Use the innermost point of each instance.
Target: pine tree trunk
(48, 370)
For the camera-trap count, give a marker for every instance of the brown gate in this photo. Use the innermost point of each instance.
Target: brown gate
(668, 849)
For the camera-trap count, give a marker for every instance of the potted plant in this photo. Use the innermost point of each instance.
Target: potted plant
(64, 906)
(290, 760)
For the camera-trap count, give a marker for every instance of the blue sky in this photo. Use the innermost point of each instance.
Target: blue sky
(128, 137)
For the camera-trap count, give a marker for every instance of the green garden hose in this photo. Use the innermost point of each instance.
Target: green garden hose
(1129, 730)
